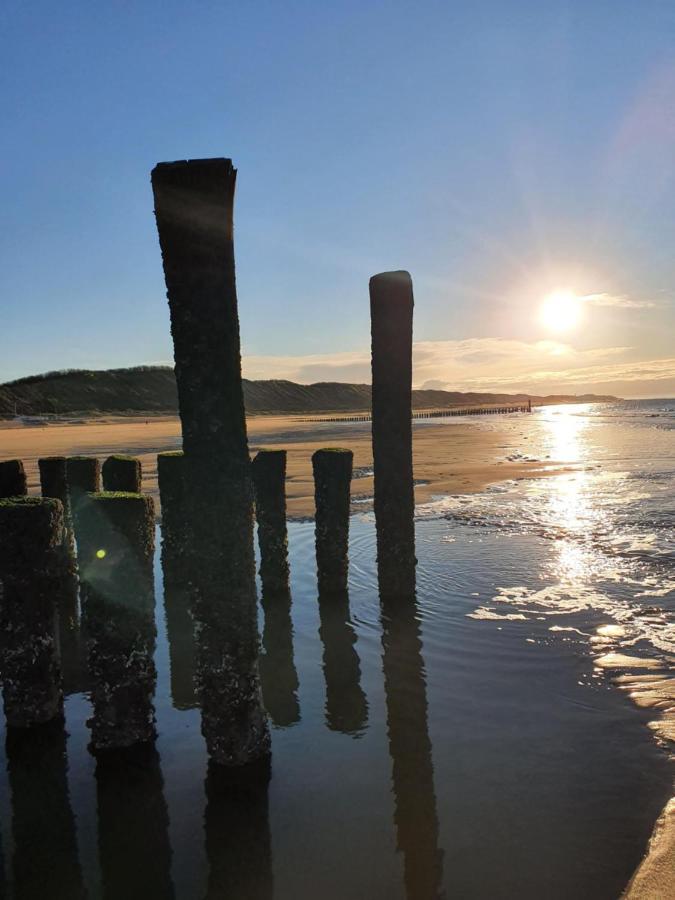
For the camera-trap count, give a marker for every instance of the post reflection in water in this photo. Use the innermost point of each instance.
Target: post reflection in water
(278, 675)
(45, 861)
(415, 813)
(237, 834)
(346, 703)
(133, 826)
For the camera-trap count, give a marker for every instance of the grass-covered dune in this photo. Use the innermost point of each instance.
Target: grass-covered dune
(152, 389)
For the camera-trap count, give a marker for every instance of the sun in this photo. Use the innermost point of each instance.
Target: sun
(561, 311)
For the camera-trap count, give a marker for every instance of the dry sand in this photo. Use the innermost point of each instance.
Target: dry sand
(450, 458)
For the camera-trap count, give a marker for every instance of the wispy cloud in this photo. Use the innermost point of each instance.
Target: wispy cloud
(617, 300)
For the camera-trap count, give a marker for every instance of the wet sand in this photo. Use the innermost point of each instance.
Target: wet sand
(655, 878)
(449, 458)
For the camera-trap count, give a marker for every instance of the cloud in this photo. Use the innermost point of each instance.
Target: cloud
(476, 364)
(617, 300)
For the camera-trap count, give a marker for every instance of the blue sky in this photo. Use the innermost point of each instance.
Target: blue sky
(497, 150)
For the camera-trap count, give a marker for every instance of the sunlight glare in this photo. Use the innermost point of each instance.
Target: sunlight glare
(560, 311)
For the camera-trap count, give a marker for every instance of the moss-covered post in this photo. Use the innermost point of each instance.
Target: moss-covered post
(122, 473)
(115, 559)
(332, 469)
(12, 478)
(269, 482)
(32, 574)
(391, 317)
(194, 210)
(53, 478)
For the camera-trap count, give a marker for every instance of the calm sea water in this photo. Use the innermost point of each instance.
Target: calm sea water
(506, 737)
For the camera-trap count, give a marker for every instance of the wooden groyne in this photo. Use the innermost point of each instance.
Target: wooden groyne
(432, 413)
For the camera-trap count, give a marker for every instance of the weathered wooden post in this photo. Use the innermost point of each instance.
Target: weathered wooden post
(32, 571)
(178, 577)
(391, 316)
(346, 704)
(269, 482)
(194, 210)
(53, 483)
(115, 559)
(173, 501)
(122, 473)
(12, 478)
(53, 478)
(332, 480)
(83, 474)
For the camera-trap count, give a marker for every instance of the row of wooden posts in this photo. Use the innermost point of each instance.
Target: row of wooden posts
(210, 532)
(434, 413)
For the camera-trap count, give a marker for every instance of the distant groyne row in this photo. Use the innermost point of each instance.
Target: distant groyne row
(433, 413)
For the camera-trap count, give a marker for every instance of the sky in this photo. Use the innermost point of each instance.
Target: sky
(499, 150)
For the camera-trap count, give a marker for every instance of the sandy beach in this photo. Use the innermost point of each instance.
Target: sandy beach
(449, 458)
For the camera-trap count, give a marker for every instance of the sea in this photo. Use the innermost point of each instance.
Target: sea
(507, 734)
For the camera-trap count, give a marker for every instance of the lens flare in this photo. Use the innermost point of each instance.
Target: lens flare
(100, 554)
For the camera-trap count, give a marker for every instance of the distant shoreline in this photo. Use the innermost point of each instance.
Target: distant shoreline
(448, 459)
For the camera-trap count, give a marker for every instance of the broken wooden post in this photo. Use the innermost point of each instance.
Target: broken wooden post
(269, 482)
(122, 473)
(115, 560)
(12, 478)
(194, 211)
(332, 479)
(32, 571)
(391, 316)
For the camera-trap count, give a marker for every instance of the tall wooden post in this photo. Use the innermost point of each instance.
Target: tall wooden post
(391, 316)
(194, 211)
